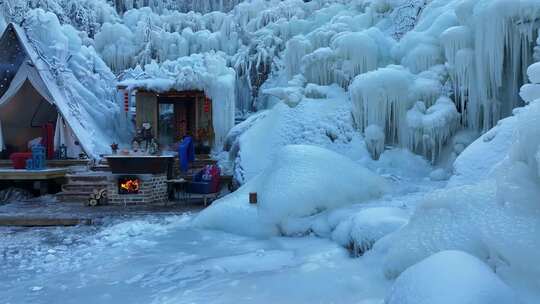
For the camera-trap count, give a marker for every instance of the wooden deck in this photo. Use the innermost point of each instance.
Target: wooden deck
(53, 163)
(35, 175)
(42, 222)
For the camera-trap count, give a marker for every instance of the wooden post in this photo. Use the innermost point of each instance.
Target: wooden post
(253, 198)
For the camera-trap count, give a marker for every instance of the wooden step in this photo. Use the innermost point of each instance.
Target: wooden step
(88, 179)
(83, 187)
(73, 197)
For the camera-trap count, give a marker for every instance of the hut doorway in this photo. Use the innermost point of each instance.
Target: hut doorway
(23, 117)
(176, 119)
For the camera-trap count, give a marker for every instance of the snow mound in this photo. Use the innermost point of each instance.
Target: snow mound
(486, 209)
(300, 182)
(479, 159)
(526, 148)
(450, 277)
(362, 230)
(324, 123)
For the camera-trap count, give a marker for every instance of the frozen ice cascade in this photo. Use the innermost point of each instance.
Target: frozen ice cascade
(485, 47)
(387, 55)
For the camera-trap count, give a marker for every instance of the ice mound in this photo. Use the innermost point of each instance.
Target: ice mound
(489, 210)
(301, 181)
(480, 158)
(324, 122)
(362, 230)
(450, 277)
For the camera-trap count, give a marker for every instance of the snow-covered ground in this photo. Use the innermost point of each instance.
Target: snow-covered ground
(359, 251)
(166, 261)
(169, 260)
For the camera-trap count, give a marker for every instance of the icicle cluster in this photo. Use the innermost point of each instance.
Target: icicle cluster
(430, 128)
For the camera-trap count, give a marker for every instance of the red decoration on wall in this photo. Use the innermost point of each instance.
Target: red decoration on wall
(126, 101)
(207, 105)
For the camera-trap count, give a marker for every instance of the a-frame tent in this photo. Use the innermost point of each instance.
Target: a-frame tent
(30, 97)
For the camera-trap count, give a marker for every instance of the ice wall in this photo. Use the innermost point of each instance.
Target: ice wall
(480, 49)
(201, 6)
(473, 52)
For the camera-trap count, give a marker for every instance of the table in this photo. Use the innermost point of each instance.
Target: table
(177, 186)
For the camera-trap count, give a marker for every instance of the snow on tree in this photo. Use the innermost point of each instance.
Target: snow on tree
(86, 15)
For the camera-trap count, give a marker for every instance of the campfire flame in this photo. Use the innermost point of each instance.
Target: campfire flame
(131, 185)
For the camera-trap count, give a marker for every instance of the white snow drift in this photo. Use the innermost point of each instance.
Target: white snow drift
(450, 277)
(301, 181)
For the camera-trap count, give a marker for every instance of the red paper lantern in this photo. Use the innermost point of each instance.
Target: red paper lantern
(126, 101)
(207, 105)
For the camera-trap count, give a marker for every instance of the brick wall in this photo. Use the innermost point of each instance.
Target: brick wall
(153, 189)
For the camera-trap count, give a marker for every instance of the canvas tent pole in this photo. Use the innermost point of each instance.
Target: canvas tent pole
(75, 136)
(2, 144)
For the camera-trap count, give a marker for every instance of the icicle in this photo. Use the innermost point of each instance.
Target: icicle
(430, 129)
(378, 99)
(503, 33)
(422, 58)
(296, 49)
(466, 89)
(318, 67)
(347, 46)
(374, 137)
(455, 39)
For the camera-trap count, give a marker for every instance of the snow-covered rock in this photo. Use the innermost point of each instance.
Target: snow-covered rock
(479, 159)
(363, 229)
(450, 277)
(300, 182)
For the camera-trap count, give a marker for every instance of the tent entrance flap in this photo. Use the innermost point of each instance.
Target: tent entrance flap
(26, 73)
(22, 117)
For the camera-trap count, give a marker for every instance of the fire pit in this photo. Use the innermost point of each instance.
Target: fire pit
(138, 179)
(129, 185)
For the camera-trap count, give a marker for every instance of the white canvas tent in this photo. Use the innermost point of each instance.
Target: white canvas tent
(29, 95)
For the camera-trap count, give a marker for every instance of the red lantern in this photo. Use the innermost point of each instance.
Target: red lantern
(207, 105)
(126, 101)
